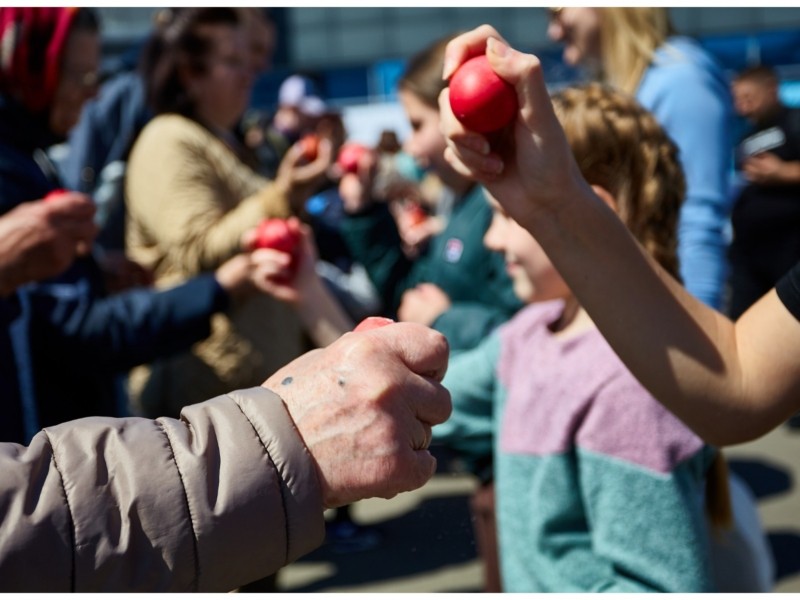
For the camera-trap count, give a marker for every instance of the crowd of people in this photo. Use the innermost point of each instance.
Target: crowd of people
(179, 406)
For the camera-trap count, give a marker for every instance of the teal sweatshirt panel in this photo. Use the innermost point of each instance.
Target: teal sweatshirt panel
(472, 381)
(585, 522)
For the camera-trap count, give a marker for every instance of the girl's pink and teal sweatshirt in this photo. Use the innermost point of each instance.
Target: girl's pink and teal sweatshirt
(598, 486)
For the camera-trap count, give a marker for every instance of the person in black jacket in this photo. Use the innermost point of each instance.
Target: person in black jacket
(766, 216)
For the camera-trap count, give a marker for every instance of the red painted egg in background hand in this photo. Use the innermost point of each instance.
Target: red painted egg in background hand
(350, 155)
(277, 235)
(309, 144)
(480, 99)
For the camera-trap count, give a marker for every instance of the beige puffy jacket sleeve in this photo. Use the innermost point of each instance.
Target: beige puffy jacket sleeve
(224, 496)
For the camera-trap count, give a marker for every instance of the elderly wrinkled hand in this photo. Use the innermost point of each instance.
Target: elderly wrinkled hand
(365, 406)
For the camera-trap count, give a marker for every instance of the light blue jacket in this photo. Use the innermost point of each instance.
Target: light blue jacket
(687, 92)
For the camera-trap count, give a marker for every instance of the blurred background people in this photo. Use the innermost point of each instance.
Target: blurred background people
(766, 215)
(455, 284)
(637, 51)
(464, 291)
(191, 196)
(299, 111)
(67, 340)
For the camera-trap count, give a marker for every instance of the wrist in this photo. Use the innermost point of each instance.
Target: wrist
(545, 216)
(233, 277)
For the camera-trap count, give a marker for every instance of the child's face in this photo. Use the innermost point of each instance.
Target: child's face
(534, 277)
(426, 142)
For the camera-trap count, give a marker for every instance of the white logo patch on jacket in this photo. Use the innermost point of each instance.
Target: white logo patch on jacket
(453, 250)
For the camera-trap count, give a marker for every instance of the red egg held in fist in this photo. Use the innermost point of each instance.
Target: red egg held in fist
(55, 195)
(480, 99)
(373, 323)
(309, 144)
(350, 155)
(276, 234)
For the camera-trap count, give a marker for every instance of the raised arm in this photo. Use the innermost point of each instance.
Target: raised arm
(729, 382)
(293, 279)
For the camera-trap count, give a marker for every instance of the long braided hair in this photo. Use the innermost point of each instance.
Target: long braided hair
(620, 146)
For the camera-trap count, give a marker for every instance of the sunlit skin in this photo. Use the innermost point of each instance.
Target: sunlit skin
(78, 80)
(222, 92)
(426, 143)
(578, 28)
(534, 277)
(755, 100)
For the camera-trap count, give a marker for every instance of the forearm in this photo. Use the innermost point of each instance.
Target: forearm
(324, 319)
(789, 173)
(684, 353)
(199, 501)
(137, 326)
(221, 237)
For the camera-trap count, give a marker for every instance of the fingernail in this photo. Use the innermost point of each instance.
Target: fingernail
(478, 144)
(493, 165)
(447, 68)
(497, 47)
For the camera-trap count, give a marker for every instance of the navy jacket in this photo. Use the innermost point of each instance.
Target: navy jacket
(64, 341)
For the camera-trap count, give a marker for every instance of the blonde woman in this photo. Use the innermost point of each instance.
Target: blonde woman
(637, 51)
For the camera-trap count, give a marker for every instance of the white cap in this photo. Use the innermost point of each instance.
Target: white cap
(301, 93)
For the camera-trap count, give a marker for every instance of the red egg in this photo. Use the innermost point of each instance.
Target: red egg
(416, 214)
(350, 155)
(373, 323)
(277, 235)
(55, 195)
(309, 144)
(480, 99)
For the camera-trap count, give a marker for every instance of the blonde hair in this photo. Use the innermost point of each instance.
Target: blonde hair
(628, 40)
(620, 146)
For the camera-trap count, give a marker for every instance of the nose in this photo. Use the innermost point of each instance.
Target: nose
(493, 238)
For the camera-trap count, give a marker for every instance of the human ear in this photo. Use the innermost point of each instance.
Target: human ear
(605, 196)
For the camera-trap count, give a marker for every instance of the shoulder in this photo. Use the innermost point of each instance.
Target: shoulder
(681, 68)
(170, 127)
(167, 137)
(626, 423)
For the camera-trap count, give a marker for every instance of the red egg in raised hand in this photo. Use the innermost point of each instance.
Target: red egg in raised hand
(276, 234)
(309, 144)
(350, 155)
(480, 98)
(279, 234)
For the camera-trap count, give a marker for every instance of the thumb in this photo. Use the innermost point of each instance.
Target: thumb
(524, 72)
